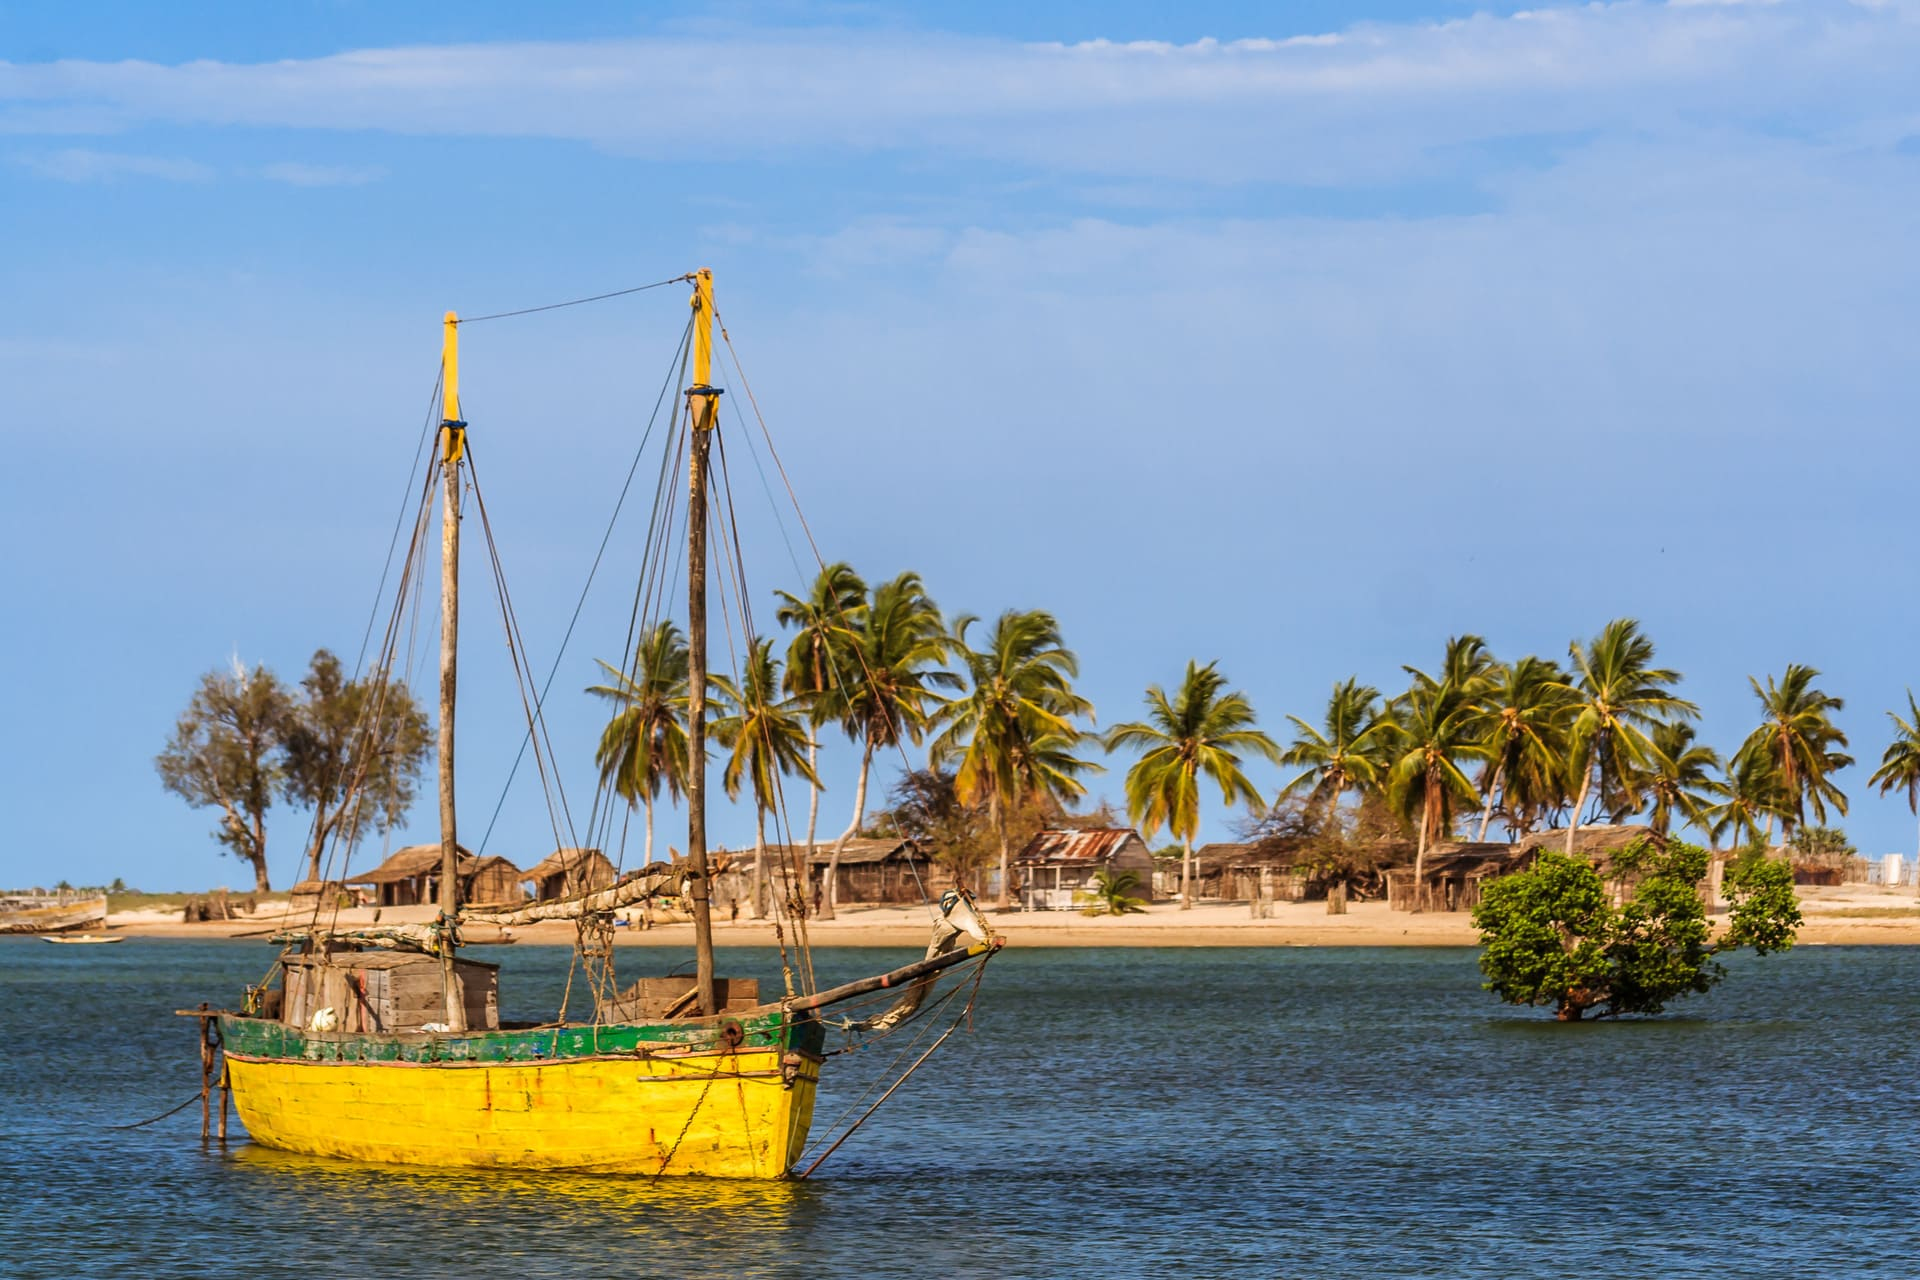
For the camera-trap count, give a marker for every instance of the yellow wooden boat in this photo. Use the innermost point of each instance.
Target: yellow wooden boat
(82, 939)
(383, 1044)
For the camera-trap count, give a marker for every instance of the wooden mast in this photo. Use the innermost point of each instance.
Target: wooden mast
(702, 400)
(453, 441)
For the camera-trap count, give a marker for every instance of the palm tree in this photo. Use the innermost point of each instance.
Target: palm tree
(1526, 707)
(1619, 695)
(1012, 734)
(1751, 799)
(1900, 765)
(1112, 895)
(824, 627)
(766, 736)
(1681, 780)
(1798, 739)
(1345, 755)
(887, 691)
(644, 746)
(1201, 729)
(1440, 724)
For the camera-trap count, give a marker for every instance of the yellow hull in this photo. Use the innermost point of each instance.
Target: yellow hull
(720, 1115)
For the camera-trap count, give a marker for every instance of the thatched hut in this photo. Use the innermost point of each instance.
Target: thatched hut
(1452, 874)
(410, 877)
(1227, 872)
(568, 873)
(311, 895)
(493, 881)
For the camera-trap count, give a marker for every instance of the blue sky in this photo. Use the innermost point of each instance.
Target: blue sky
(1296, 336)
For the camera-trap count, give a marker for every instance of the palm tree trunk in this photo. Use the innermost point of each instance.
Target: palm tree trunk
(759, 862)
(829, 899)
(1186, 873)
(1579, 805)
(649, 799)
(1419, 902)
(813, 790)
(1486, 815)
(1006, 855)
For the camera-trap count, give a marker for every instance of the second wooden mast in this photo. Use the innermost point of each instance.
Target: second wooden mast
(453, 445)
(702, 414)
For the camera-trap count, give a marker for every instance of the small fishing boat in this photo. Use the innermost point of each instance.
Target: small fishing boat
(83, 939)
(384, 1044)
(51, 913)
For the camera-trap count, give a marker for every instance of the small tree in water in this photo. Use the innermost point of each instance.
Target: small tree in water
(1554, 937)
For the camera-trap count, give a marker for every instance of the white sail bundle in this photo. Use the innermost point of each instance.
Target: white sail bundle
(648, 884)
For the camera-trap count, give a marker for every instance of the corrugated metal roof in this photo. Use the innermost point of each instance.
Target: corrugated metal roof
(1098, 845)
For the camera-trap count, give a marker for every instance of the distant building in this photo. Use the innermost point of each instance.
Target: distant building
(568, 873)
(411, 877)
(1058, 867)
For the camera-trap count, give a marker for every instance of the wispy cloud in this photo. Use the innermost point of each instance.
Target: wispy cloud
(297, 174)
(77, 164)
(1319, 107)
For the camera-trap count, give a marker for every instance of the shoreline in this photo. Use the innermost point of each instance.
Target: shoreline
(1850, 915)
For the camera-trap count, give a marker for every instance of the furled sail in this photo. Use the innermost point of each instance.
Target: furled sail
(653, 883)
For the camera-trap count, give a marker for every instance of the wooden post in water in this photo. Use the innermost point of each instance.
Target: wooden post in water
(226, 1095)
(702, 402)
(206, 1072)
(453, 437)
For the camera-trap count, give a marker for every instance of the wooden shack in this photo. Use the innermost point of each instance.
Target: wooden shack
(1227, 872)
(385, 991)
(1057, 868)
(311, 895)
(568, 873)
(493, 881)
(879, 872)
(408, 878)
(1454, 870)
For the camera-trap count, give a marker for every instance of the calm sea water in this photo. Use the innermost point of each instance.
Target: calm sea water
(1278, 1112)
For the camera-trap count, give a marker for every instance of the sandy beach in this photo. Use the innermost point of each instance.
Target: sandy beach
(1850, 914)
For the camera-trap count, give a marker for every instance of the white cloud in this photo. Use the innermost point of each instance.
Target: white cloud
(297, 174)
(76, 164)
(1360, 104)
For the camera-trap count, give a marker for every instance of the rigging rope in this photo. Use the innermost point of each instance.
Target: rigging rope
(575, 302)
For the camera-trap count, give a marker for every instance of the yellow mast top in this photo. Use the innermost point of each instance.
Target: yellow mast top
(454, 442)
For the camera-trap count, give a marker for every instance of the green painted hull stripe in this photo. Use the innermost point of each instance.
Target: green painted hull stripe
(261, 1039)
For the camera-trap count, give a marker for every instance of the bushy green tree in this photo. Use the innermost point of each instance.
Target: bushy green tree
(1553, 936)
(226, 753)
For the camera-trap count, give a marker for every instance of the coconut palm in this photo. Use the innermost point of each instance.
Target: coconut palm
(1900, 764)
(1200, 730)
(644, 746)
(1439, 725)
(1750, 800)
(1112, 895)
(766, 736)
(1343, 756)
(1012, 734)
(825, 625)
(887, 692)
(1798, 739)
(1681, 780)
(1619, 695)
(1526, 718)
